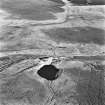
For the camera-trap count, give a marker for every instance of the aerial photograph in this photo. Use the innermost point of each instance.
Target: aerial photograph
(52, 52)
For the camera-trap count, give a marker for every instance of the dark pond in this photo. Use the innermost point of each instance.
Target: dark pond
(48, 72)
(77, 35)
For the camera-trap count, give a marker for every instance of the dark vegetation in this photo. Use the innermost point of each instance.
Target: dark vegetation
(14, 33)
(77, 35)
(79, 2)
(88, 2)
(30, 9)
